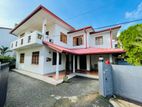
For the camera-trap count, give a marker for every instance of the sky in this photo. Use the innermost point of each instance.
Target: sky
(78, 13)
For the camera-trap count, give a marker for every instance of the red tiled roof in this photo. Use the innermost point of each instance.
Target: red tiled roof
(108, 29)
(87, 27)
(35, 11)
(83, 51)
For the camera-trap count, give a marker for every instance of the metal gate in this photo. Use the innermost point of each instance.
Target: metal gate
(4, 68)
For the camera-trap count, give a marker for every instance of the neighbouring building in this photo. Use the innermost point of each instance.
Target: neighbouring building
(47, 45)
(6, 38)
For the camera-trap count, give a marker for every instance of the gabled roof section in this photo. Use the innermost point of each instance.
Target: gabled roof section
(48, 12)
(104, 30)
(84, 28)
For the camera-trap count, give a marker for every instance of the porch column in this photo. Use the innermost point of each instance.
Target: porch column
(73, 63)
(78, 62)
(57, 66)
(88, 62)
(44, 26)
(110, 58)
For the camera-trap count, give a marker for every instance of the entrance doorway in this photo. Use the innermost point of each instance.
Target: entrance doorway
(83, 62)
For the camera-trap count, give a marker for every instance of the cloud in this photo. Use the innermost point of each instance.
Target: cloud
(135, 14)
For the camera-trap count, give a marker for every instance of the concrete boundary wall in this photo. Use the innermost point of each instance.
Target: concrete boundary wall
(127, 81)
(4, 68)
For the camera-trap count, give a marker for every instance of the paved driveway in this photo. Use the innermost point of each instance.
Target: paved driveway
(24, 91)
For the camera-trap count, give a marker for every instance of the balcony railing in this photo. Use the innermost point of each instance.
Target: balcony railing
(34, 38)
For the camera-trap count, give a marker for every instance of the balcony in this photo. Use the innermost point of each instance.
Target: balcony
(33, 39)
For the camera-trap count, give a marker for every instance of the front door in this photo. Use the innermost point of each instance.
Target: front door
(83, 62)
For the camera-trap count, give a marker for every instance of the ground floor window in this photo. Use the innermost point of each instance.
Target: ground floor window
(22, 55)
(35, 57)
(54, 57)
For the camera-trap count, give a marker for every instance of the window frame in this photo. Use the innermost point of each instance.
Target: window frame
(54, 58)
(22, 35)
(22, 41)
(29, 39)
(63, 37)
(76, 40)
(35, 57)
(98, 40)
(22, 57)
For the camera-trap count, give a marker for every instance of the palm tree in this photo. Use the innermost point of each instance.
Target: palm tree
(4, 50)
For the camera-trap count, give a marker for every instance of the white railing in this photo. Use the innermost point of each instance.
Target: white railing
(29, 39)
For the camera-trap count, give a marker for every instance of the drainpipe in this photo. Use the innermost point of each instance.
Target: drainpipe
(110, 38)
(86, 37)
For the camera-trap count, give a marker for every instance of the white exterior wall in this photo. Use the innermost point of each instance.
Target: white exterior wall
(77, 34)
(106, 40)
(55, 35)
(27, 65)
(48, 67)
(43, 67)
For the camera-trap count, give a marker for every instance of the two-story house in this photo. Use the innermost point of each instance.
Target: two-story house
(48, 45)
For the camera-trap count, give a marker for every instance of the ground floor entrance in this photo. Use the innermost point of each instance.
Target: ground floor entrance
(82, 65)
(82, 61)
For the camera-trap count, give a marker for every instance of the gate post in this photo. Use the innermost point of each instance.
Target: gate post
(100, 69)
(105, 79)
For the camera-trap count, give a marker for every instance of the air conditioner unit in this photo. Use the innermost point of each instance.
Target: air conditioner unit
(51, 40)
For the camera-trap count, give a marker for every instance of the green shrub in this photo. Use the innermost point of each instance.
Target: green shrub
(65, 79)
(8, 59)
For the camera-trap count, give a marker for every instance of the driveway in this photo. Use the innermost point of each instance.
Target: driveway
(24, 91)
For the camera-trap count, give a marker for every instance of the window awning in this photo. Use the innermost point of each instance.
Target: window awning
(83, 51)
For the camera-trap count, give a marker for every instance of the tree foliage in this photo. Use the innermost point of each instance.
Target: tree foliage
(131, 41)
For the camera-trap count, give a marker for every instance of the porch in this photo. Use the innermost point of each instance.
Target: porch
(82, 73)
(81, 61)
(51, 78)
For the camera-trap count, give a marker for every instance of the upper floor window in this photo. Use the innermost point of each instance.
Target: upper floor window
(99, 40)
(47, 33)
(29, 39)
(35, 57)
(21, 41)
(22, 35)
(39, 36)
(22, 55)
(54, 57)
(78, 40)
(16, 44)
(63, 37)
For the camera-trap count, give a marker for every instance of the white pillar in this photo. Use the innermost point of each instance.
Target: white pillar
(110, 58)
(88, 62)
(44, 26)
(73, 63)
(78, 62)
(57, 66)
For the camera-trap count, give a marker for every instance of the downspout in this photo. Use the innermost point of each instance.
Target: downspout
(85, 37)
(110, 38)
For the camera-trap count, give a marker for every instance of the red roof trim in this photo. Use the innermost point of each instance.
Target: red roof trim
(34, 12)
(108, 29)
(83, 51)
(88, 27)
